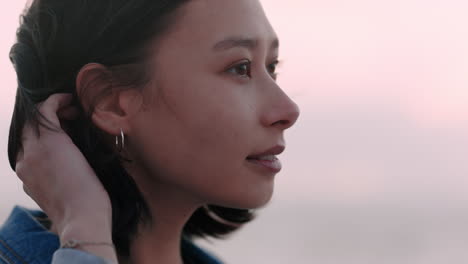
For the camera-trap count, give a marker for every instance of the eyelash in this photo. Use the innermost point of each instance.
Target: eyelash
(271, 69)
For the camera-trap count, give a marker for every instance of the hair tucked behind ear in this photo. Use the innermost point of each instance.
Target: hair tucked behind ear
(55, 40)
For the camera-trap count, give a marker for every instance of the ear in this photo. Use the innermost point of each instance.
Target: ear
(112, 107)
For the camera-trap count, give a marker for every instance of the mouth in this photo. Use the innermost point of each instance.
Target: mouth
(270, 163)
(267, 159)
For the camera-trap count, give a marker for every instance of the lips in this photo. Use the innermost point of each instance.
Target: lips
(264, 157)
(268, 154)
(267, 159)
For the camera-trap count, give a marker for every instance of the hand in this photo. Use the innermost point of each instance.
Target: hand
(57, 176)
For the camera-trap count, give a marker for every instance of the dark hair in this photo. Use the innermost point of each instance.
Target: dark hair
(56, 38)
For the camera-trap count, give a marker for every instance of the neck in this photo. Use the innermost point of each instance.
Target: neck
(159, 241)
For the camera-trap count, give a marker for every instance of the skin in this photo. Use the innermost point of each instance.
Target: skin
(188, 132)
(57, 176)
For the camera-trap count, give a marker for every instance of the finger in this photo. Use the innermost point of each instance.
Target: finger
(28, 134)
(50, 106)
(46, 108)
(19, 158)
(26, 190)
(19, 169)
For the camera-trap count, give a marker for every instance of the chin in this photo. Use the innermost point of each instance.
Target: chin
(254, 199)
(256, 204)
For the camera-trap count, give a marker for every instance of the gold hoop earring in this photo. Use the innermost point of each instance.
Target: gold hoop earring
(219, 219)
(120, 146)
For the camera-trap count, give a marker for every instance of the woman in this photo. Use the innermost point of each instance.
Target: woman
(140, 125)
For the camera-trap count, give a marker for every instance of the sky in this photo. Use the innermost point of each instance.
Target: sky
(383, 87)
(383, 92)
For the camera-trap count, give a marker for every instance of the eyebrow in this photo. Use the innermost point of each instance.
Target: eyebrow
(240, 42)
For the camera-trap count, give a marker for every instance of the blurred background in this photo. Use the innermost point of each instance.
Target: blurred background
(376, 169)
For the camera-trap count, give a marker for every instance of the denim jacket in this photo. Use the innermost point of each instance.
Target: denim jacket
(25, 239)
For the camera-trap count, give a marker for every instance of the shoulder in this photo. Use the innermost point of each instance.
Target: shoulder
(25, 240)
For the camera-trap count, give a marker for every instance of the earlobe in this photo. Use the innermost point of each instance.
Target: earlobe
(99, 98)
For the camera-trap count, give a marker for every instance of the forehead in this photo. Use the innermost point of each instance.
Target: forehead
(208, 21)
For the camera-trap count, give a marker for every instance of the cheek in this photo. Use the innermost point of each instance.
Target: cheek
(218, 128)
(198, 139)
(213, 115)
(220, 137)
(196, 125)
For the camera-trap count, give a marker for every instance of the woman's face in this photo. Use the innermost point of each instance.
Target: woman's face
(212, 103)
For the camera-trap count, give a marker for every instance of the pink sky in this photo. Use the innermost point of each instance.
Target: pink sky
(383, 88)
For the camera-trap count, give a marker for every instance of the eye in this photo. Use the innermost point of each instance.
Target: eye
(241, 69)
(272, 69)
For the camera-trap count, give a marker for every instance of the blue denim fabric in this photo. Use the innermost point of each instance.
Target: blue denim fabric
(24, 240)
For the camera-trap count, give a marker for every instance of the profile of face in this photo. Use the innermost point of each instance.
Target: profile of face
(212, 107)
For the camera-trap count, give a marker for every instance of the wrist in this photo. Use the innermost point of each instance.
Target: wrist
(89, 236)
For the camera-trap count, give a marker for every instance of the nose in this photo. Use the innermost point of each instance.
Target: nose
(282, 113)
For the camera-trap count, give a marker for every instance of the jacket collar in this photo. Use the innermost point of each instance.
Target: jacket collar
(24, 239)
